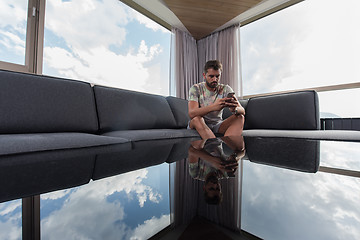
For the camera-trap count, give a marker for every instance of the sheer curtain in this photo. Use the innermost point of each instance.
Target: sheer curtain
(189, 57)
(184, 70)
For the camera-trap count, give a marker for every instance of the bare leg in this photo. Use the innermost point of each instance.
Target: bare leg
(232, 126)
(199, 124)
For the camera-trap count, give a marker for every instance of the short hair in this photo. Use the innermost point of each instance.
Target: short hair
(214, 64)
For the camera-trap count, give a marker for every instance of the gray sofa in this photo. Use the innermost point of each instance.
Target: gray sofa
(41, 113)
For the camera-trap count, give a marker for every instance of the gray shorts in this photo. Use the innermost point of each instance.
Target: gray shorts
(213, 127)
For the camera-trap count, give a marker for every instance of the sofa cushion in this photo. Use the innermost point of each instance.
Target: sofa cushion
(152, 134)
(35, 104)
(120, 109)
(36, 142)
(179, 108)
(296, 111)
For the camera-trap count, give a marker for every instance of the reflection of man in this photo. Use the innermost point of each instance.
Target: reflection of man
(209, 163)
(207, 101)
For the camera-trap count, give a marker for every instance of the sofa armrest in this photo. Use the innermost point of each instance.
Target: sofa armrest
(288, 111)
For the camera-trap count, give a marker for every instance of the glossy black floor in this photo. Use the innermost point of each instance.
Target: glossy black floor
(225, 188)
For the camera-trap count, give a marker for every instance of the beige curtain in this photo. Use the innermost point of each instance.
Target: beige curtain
(189, 57)
(184, 71)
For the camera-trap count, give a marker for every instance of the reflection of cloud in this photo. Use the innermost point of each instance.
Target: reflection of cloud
(86, 213)
(344, 155)
(284, 204)
(10, 220)
(150, 227)
(55, 195)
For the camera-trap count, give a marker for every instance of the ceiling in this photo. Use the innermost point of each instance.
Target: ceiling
(200, 18)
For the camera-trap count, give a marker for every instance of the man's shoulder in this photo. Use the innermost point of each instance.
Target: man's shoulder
(198, 85)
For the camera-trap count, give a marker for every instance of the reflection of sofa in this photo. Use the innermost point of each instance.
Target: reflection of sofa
(295, 153)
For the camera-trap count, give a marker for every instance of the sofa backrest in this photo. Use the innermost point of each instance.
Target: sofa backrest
(180, 110)
(120, 109)
(37, 104)
(288, 111)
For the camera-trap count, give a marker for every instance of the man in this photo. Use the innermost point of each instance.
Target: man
(207, 101)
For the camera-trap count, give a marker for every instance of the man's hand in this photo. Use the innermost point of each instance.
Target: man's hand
(234, 104)
(219, 104)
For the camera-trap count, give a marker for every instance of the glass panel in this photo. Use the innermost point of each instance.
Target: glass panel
(133, 205)
(106, 43)
(302, 46)
(341, 103)
(284, 204)
(11, 220)
(342, 155)
(13, 22)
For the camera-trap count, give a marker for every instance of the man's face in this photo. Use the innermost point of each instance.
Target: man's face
(212, 78)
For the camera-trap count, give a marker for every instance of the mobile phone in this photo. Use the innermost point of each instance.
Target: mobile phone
(230, 95)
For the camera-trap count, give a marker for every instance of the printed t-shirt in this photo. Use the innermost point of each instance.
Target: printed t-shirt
(199, 93)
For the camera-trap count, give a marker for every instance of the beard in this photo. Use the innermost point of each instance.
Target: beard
(212, 84)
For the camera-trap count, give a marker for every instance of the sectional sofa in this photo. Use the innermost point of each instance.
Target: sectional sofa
(41, 113)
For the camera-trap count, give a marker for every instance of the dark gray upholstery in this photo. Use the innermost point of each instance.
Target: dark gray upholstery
(295, 111)
(153, 134)
(179, 108)
(128, 110)
(25, 143)
(35, 104)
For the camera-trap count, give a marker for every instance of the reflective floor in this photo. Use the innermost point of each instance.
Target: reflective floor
(225, 188)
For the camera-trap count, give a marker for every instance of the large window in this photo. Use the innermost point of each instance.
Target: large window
(311, 44)
(106, 43)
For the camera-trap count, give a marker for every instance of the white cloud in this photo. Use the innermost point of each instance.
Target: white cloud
(10, 221)
(86, 213)
(85, 24)
(90, 30)
(150, 227)
(302, 47)
(101, 66)
(13, 13)
(316, 206)
(147, 22)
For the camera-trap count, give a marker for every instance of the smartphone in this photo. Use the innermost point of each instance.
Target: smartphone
(230, 95)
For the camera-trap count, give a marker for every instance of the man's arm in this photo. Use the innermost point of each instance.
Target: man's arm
(195, 110)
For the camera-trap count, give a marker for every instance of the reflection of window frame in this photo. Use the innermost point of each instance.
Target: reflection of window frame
(34, 40)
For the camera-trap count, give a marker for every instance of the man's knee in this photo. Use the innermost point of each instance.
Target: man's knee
(198, 122)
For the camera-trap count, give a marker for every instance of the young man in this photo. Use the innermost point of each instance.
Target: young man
(207, 101)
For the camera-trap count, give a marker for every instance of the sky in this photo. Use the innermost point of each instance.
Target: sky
(314, 43)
